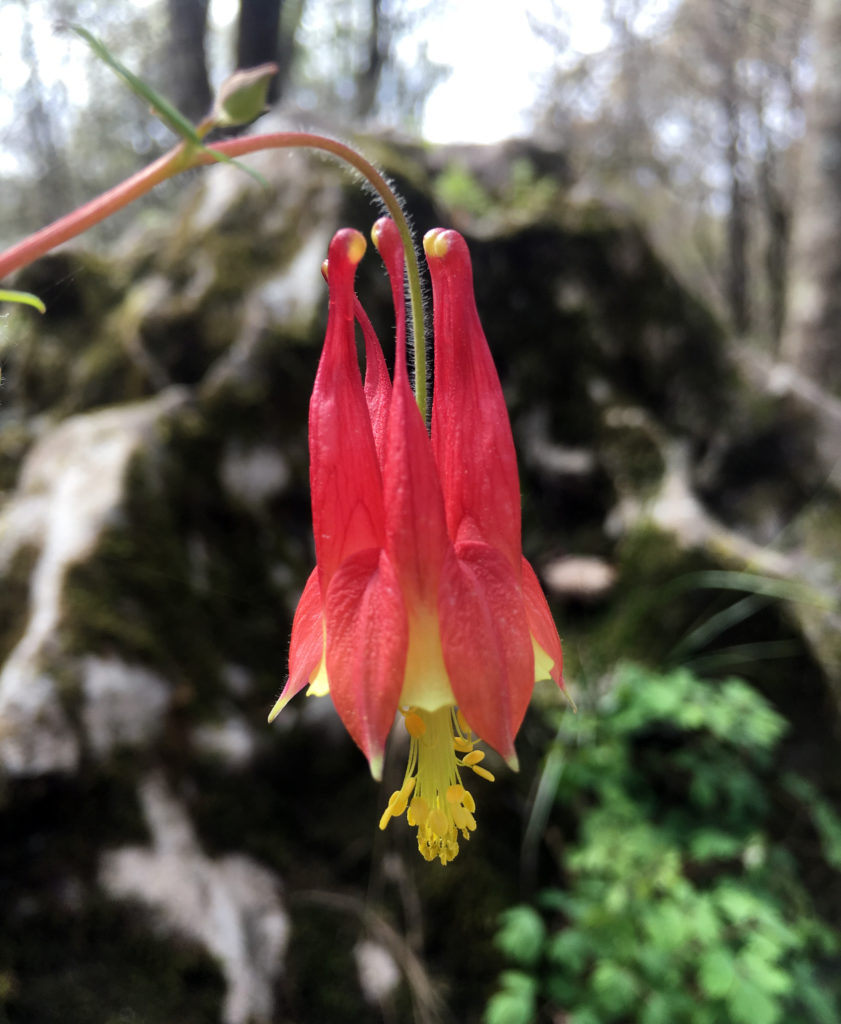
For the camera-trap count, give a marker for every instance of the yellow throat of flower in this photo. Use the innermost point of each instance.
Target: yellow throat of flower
(432, 794)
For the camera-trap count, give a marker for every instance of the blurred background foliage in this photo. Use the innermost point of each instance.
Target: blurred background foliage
(689, 112)
(680, 901)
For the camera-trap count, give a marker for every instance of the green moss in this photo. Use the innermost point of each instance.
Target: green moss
(79, 292)
(67, 954)
(15, 439)
(104, 371)
(819, 526)
(14, 598)
(321, 981)
(288, 806)
(644, 619)
(101, 965)
(530, 192)
(135, 595)
(183, 580)
(629, 449)
(574, 306)
(461, 190)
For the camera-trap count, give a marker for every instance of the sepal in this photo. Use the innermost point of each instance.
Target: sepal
(345, 481)
(542, 624)
(367, 638)
(307, 645)
(486, 643)
(471, 433)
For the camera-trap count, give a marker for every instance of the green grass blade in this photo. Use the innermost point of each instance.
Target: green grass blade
(169, 114)
(742, 654)
(222, 158)
(25, 298)
(753, 583)
(718, 623)
(162, 107)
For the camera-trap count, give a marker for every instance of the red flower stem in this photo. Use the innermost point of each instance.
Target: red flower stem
(84, 217)
(284, 140)
(184, 157)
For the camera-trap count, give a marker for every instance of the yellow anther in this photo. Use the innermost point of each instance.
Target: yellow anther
(400, 797)
(432, 795)
(418, 812)
(437, 823)
(415, 725)
(483, 773)
(474, 757)
(398, 806)
(463, 818)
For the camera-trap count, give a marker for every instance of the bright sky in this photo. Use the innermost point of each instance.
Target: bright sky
(498, 62)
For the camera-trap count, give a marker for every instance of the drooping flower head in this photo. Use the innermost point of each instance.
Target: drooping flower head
(421, 601)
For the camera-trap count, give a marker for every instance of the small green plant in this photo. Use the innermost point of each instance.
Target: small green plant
(677, 907)
(461, 190)
(527, 190)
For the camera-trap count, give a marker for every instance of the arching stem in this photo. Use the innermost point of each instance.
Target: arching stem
(186, 156)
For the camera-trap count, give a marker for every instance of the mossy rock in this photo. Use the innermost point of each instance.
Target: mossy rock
(67, 953)
(79, 290)
(196, 573)
(14, 597)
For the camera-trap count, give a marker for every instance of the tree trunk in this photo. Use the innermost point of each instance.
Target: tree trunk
(812, 339)
(188, 82)
(737, 226)
(775, 209)
(731, 21)
(368, 80)
(266, 32)
(54, 192)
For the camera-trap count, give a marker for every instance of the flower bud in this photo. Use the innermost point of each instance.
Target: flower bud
(242, 96)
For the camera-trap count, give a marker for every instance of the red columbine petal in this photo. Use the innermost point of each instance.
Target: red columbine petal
(366, 643)
(377, 381)
(471, 434)
(421, 597)
(307, 645)
(345, 481)
(487, 648)
(416, 529)
(541, 623)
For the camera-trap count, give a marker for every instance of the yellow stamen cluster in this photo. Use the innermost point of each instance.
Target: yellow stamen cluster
(432, 794)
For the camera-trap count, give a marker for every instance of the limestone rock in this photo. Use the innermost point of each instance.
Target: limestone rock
(71, 485)
(231, 906)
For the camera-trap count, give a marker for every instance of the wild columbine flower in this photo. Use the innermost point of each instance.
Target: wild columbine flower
(421, 600)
